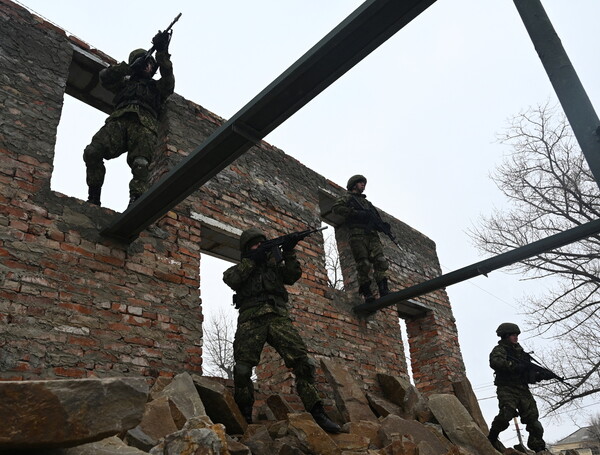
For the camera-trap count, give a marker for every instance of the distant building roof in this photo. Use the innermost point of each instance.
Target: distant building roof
(582, 435)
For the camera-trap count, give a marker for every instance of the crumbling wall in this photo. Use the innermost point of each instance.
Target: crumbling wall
(74, 303)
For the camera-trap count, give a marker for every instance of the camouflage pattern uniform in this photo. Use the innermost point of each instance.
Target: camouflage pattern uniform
(132, 127)
(514, 396)
(364, 239)
(261, 298)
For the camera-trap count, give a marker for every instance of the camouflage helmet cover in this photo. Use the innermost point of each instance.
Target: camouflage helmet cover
(354, 180)
(249, 237)
(507, 328)
(133, 55)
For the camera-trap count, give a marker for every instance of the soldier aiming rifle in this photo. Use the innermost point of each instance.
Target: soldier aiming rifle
(259, 282)
(132, 126)
(513, 372)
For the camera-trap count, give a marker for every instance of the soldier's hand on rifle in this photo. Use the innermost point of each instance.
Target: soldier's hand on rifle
(161, 41)
(258, 255)
(289, 243)
(362, 216)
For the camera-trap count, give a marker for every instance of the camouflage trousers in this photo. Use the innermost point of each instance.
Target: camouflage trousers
(117, 136)
(279, 332)
(367, 250)
(516, 401)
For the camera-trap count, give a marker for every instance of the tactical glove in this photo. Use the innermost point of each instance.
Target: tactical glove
(289, 244)
(259, 255)
(161, 41)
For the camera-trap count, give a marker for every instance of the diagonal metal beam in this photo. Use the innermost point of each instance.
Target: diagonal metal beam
(484, 267)
(569, 89)
(352, 40)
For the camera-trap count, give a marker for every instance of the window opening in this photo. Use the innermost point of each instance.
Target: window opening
(78, 124)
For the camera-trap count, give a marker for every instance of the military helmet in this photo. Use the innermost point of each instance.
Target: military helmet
(354, 180)
(250, 237)
(507, 328)
(134, 55)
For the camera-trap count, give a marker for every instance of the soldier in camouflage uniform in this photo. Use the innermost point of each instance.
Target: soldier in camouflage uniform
(365, 244)
(514, 397)
(259, 282)
(132, 126)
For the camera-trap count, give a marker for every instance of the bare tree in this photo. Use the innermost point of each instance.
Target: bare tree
(335, 279)
(218, 346)
(550, 189)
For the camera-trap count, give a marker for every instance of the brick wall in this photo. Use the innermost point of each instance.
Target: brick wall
(74, 304)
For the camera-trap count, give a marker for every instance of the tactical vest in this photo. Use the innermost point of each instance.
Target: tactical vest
(141, 92)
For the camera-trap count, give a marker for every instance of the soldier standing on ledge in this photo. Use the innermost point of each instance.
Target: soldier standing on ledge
(132, 126)
(507, 360)
(259, 282)
(359, 215)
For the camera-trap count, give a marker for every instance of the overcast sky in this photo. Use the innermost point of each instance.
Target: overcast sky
(418, 117)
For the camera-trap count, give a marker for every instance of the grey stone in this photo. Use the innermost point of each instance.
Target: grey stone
(393, 426)
(108, 446)
(219, 404)
(156, 423)
(279, 407)
(383, 407)
(66, 413)
(183, 396)
(349, 397)
(459, 425)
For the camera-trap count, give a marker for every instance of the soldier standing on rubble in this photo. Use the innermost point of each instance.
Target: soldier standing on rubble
(132, 126)
(361, 217)
(514, 397)
(259, 282)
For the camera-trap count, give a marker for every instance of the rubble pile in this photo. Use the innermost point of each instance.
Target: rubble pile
(196, 415)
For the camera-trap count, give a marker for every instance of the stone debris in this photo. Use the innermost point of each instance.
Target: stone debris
(68, 412)
(196, 415)
(219, 404)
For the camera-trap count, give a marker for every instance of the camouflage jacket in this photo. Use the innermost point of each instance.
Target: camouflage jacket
(506, 370)
(346, 207)
(260, 287)
(144, 97)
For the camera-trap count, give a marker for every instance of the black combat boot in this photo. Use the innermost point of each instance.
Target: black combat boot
(365, 291)
(323, 421)
(493, 438)
(94, 195)
(383, 287)
(133, 198)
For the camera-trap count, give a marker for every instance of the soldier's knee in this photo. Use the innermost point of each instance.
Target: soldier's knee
(242, 372)
(305, 369)
(363, 266)
(92, 155)
(508, 413)
(139, 167)
(381, 263)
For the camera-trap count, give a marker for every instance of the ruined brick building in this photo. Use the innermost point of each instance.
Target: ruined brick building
(74, 303)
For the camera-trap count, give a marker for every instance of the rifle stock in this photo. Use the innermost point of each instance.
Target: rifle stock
(274, 246)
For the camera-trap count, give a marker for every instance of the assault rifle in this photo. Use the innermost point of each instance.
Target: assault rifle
(168, 32)
(276, 245)
(374, 220)
(532, 371)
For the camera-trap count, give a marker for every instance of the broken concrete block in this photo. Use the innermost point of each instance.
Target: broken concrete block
(349, 397)
(219, 404)
(65, 413)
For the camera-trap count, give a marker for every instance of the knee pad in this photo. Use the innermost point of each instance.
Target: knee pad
(381, 263)
(139, 167)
